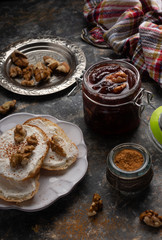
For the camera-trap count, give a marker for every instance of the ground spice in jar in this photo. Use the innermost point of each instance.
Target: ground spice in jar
(129, 159)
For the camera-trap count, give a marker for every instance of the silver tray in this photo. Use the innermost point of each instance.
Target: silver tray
(35, 49)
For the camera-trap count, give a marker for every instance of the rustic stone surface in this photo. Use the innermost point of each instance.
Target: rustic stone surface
(67, 218)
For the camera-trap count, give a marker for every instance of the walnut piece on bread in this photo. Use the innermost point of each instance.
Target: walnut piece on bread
(19, 133)
(63, 67)
(57, 145)
(96, 205)
(151, 218)
(16, 159)
(7, 106)
(19, 59)
(15, 72)
(41, 72)
(51, 62)
(21, 157)
(26, 152)
(54, 161)
(32, 140)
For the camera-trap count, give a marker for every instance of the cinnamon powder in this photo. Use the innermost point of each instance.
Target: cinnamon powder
(129, 159)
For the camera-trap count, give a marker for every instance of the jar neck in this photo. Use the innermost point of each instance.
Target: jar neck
(111, 97)
(134, 101)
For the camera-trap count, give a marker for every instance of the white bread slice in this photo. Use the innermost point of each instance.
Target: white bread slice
(18, 191)
(53, 160)
(8, 147)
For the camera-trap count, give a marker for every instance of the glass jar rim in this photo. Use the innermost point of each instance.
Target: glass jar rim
(110, 96)
(129, 174)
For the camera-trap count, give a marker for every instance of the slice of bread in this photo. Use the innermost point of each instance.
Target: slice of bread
(14, 191)
(55, 160)
(8, 147)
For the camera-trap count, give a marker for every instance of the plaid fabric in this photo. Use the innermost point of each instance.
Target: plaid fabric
(131, 28)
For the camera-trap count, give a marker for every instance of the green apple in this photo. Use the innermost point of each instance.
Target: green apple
(155, 124)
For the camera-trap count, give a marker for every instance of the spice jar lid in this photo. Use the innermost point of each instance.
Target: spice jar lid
(155, 126)
(134, 176)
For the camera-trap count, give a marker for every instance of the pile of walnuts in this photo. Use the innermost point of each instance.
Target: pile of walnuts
(40, 71)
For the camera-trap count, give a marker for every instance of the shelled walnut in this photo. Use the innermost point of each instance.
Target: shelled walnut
(21, 157)
(28, 72)
(19, 59)
(119, 88)
(151, 218)
(15, 72)
(19, 133)
(16, 159)
(117, 77)
(41, 72)
(51, 62)
(63, 67)
(28, 83)
(7, 106)
(57, 145)
(96, 205)
(32, 140)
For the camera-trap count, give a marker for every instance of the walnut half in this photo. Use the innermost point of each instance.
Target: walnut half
(16, 159)
(19, 133)
(7, 106)
(41, 72)
(32, 140)
(21, 157)
(151, 218)
(96, 205)
(19, 59)
(28, 72)
(63, 67)
(57, 145)
(119, 88)
(51, 62)
(118, 77)
(15, 72)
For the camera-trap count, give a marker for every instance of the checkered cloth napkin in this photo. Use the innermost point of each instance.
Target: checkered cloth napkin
(132, 28)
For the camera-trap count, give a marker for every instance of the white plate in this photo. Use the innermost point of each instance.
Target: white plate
(52, 186)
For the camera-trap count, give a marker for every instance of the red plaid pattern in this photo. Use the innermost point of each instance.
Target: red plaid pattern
(131, 28)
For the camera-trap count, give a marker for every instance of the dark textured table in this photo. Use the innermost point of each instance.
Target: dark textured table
(67, 217)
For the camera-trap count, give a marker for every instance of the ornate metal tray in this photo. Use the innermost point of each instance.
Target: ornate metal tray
(35, 49)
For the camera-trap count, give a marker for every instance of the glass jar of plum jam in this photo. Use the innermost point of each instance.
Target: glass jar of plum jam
(111, 97)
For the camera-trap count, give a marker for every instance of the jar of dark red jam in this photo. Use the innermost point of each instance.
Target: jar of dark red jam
(111, 97)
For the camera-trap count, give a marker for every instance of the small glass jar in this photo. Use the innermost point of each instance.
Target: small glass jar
(111, 113)
(129, 181)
